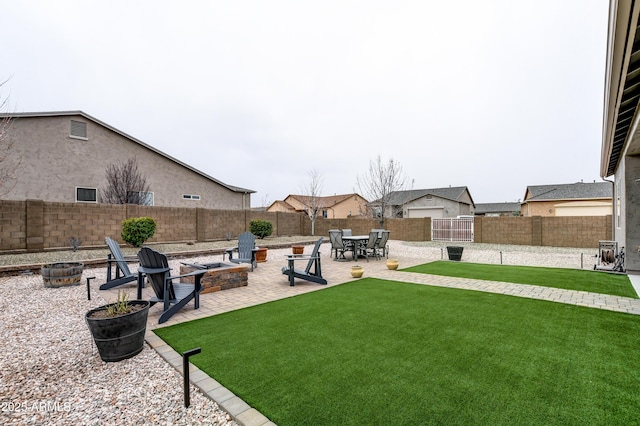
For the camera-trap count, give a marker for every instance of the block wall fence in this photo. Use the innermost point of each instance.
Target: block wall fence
(35, 225)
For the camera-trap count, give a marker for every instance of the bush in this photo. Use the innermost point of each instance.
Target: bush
(261, 228)
(137, 230)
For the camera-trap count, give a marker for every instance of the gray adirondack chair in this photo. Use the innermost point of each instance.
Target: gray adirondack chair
(305, 274)
(119, 261)
(246, 250)
(173, 295)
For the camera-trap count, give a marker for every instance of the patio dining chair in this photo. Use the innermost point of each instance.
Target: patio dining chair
(382, 246)
(370, 248)
(337, 245)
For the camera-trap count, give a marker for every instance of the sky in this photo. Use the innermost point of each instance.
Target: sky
(494, 95)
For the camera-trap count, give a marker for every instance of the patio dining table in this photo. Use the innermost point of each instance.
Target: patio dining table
(358, 242)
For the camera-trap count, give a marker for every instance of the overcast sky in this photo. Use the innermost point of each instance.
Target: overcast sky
(492, 95)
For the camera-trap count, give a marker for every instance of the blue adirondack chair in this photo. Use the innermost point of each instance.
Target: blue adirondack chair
(246, 250)
(305, 274)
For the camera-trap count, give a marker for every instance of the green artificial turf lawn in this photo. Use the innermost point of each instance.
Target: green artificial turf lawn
(570, 279)
(375, 352)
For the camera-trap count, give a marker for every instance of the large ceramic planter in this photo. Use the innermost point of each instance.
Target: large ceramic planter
(455, 253)
(62, 274)
(119, 337)
(392, 264)
(261, 255)
(357, 271)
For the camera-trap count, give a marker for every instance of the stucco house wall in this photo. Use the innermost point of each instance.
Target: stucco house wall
(53, 164)
(336, 207)
(352, 206)
(434, 207)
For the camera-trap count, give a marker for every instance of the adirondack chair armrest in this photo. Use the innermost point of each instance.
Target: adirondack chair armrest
(199, 272)
(111, 259)
(293, 257)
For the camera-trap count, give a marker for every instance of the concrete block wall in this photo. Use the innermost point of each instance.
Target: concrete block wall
(34, 225)
(13, 224)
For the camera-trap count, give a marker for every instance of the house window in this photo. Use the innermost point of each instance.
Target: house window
(86, 195)
(325, 215)
(190, 197)
(141, 198)
(78, 130)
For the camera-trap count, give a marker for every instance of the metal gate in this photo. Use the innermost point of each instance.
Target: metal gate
(460, 229)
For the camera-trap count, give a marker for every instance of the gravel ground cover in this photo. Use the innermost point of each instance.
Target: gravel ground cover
(50, 372)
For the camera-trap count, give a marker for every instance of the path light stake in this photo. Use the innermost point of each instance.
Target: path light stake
(89, 287)
(501, 257)
(185, 373)
(581, 260)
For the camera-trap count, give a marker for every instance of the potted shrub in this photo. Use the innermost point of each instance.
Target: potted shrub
(261, 228)
(137, 230)
(118, 328)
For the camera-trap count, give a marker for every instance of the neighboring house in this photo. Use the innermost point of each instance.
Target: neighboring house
(573, 199)
(434, 203)
(332, 207)
(620, 136)
(63, 156)
(497, 209)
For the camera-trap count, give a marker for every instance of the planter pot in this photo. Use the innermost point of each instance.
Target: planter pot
(357, 271)
(261, 255)
(62, 274)
(455, 253)
(297, 249)
(120, 337)
(392, 264)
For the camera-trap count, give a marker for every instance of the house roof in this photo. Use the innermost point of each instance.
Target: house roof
(323, 202)
(622, 85)
(455, 193)
(284, 205)
(131, 138)
(569, 191)
(484, 208)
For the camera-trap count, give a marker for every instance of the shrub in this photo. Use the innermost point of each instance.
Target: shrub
(137, 230)
(261, 228)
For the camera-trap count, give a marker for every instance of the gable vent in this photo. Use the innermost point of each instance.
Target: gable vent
(78, 129)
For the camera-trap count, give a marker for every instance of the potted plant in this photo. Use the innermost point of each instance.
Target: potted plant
(62, 274)
(357, 271)
(118, 328)
(454, 253)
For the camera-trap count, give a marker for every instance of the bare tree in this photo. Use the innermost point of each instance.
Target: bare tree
(9, 159)
(311, 199)
(125, 184)
(379, 183)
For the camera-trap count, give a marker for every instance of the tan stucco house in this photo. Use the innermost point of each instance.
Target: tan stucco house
(63, 156)
(569, 199)
(331, 207)
(434, 203)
